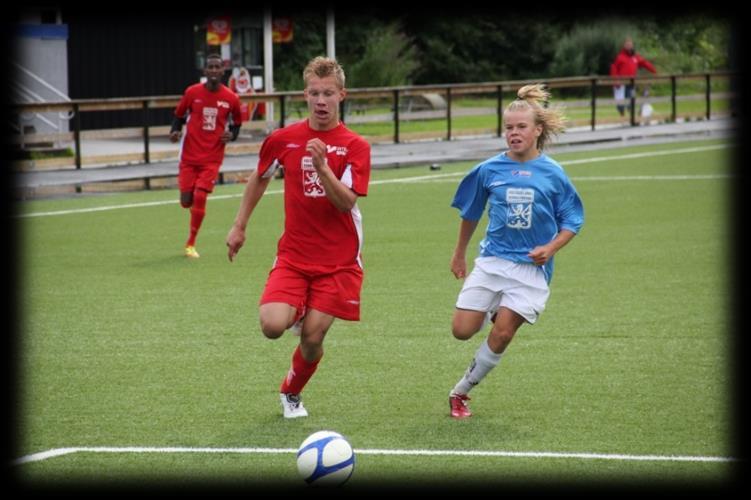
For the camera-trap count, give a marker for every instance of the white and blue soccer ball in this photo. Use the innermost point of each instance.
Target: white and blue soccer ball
(325, 458)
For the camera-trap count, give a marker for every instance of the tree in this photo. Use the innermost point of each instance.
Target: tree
(290, 59)
(480, 46)
(589, 49)
(388, 59)
(373, 51)
(688, 44)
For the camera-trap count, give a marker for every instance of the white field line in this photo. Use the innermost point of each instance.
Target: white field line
(698, 177)
(647, 154)
(129, 205)
(412, 179)
(56, 452)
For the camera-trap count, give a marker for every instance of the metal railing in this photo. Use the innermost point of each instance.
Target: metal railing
(588, 89)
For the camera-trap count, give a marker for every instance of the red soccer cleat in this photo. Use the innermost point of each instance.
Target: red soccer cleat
(458, 405)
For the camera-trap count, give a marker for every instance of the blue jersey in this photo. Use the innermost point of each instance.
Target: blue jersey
(529, 203)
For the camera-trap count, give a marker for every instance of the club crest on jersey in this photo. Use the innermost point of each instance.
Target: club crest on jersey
(222, 104)
(311, 184)
(339, 150)
(519, 214)
(209, 118)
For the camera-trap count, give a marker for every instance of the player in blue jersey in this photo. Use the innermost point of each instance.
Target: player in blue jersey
(533, 211)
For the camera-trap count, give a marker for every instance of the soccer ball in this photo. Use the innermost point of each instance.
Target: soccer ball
(325, 458)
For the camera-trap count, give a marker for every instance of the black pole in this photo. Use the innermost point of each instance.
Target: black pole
(633, 102)
(77, 140)
(593, 91)
(396, 116)
(77, 134)
(448, 114)
(282, 111)
(673, 109)
(146, 154)
(499, 127)
(709, 95)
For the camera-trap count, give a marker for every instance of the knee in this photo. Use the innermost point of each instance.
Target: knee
(462, 331)
(186, 199)
(503, 336)
(272, 329)
(499, 339)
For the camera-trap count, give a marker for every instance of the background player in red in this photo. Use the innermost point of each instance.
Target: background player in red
(240, 84)
(627, 63)
(317, 274)
(212, 112)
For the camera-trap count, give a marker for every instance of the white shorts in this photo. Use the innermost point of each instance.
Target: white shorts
(496, 282)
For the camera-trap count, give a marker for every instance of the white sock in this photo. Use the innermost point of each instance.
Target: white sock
(484, 361)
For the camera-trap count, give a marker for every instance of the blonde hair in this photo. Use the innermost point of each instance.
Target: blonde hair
(323, 67)
(535, 98)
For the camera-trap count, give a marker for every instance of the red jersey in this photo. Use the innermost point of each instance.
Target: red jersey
(315, 231)
(626, 64)
(207, 114)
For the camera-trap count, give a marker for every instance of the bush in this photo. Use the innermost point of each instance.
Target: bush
(291, 58)
(590, 49)
(688, 44)
(389, 59)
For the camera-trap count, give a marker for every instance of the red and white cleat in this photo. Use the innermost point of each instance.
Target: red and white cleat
(458, 405)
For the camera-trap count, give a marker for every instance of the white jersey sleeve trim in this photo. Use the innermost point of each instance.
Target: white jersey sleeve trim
(271, 170)
(347, 176)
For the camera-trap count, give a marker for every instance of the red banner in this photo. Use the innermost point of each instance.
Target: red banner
(219, 31)
(281, 30)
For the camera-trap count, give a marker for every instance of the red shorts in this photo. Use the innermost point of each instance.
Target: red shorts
(334, 291)
(192, 176)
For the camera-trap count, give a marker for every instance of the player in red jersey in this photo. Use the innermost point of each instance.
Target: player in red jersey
(627, 64)
(317, 274)
(212, 112)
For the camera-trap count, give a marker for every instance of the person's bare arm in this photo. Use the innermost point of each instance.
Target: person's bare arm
(459, 259)
(543, 253)
(253, 192)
